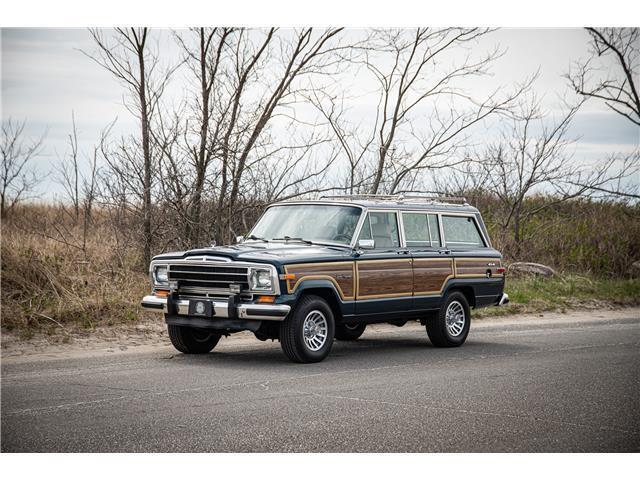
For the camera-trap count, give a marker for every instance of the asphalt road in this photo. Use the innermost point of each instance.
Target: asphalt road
(536, 385)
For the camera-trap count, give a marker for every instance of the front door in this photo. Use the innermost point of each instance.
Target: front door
(384, 277)
(432, 264)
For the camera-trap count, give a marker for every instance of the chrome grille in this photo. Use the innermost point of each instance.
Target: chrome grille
(209, 277)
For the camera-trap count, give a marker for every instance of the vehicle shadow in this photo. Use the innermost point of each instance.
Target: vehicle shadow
(377, 351)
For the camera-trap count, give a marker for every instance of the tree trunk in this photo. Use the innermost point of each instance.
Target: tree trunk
(144, 118)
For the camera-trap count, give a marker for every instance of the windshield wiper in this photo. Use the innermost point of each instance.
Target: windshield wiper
(287, 238)
(253, 237)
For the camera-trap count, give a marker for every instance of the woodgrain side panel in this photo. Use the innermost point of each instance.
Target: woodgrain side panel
(431, 274)
(477, 267)
(341, 274)
(384, 278)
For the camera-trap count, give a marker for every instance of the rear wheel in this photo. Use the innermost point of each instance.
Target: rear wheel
(450, 327)
(192, 340)
(306, 335)
(350, 331)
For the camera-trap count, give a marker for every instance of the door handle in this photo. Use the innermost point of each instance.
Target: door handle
(444, 252)
(403, 252)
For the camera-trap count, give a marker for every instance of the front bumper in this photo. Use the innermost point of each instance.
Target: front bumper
(221, 308)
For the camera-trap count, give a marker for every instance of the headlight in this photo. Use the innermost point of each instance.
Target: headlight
(161, 274)
(260, 279)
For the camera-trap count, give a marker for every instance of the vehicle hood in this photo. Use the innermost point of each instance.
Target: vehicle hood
(274, 253)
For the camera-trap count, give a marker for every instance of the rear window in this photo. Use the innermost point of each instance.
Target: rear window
(461, 232)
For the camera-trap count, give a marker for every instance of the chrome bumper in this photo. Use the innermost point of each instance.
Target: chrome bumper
(248, 311)
(503, 300)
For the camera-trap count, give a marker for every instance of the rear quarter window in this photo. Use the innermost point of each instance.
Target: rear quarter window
(461, 232)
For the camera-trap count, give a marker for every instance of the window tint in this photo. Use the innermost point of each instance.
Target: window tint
(461, 232)
(421, 230)
(382, 227)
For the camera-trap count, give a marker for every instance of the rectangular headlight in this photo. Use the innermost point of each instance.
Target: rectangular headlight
(260, 279)
(161, 274)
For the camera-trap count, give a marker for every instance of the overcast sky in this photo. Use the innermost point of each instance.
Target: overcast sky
(45, 76)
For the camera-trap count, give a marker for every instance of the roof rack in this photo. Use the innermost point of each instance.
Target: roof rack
(400, 198)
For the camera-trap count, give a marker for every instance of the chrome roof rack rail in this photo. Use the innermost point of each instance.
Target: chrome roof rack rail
(400, 198)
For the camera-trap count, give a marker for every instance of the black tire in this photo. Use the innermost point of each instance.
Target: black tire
(350, 332)
(292, 334)
(192, 340)
(454, 335)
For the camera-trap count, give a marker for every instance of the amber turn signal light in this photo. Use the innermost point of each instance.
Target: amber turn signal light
(162, 293)
(288, 276)
(266, 299)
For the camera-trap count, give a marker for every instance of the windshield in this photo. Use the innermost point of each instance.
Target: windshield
(316, 223)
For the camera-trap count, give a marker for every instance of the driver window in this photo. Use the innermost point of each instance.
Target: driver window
(382, 227)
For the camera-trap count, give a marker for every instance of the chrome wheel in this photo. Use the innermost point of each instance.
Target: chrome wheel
(315, 330)
(455, 318)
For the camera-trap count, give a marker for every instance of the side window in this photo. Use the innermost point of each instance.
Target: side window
(365, 231)
(421, 230)
(461, 232)
(382, 227)
(434, 231)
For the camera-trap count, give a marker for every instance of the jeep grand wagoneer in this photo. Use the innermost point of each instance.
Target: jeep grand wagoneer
(312, 271)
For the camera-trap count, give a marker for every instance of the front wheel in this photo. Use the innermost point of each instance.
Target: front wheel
(306, 336)
(450, 327)
(192, 340)
(350, 331)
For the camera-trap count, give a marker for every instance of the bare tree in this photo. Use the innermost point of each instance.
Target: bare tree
(219, 148)
(618, 175)
(68, 171)
(17, 178)
(618, 90)
(530, 157)
(130, 58)
(424, 114)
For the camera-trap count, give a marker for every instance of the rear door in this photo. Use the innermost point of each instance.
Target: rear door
(384, 274)
(432, 262)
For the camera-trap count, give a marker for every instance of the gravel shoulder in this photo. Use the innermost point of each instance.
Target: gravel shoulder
(151, 336)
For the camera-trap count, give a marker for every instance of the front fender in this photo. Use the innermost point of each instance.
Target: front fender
(320, 287)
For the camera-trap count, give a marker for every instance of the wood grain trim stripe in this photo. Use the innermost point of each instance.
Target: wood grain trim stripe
(292, 288)
(400, 260)
(480, 265)
(444, 282)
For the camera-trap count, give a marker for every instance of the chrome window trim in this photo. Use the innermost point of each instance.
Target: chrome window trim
(364, 210)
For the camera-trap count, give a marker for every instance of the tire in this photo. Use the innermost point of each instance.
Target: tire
(452, 333)
(192, 340)
(314, 343)
(350, 332)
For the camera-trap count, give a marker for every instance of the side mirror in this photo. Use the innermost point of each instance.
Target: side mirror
(240, 239)
(366, 244)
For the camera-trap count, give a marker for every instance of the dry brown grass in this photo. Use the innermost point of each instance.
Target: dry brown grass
(51, 279)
